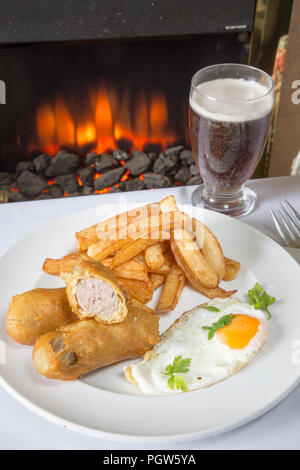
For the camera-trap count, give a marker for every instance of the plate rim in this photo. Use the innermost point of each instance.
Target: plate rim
(127, 437)
(140, 439)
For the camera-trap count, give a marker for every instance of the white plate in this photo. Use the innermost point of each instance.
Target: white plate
(104, 404)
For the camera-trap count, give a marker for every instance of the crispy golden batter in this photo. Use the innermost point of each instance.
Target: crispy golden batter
(86, 345)
(36, 312)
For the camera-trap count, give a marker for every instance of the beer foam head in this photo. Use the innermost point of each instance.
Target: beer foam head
(231, 100)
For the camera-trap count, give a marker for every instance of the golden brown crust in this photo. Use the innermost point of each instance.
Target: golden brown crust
(213, 253)
(86, 345)
(65, 264)
(232, 269)
(87, 269)
(142, 291)
(210, 292)
(172, 289)
(36, 312)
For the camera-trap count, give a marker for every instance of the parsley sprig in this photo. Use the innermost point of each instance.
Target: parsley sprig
(223, 321)
(211, 308)
(260, 299)
(180, 366)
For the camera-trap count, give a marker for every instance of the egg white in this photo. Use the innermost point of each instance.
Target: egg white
(211, 360)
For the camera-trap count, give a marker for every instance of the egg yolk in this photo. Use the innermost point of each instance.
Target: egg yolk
(240, 331)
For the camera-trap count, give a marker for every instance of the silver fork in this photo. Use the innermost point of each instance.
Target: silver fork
(287, 222)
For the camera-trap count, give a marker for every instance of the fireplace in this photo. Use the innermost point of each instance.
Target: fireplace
(97, 94)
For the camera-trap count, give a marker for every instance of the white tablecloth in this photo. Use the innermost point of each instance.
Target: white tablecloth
(22, 429)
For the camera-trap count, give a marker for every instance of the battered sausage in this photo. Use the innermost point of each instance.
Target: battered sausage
(36, 312)
(86, 345)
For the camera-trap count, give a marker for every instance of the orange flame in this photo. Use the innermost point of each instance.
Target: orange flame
(109, 120)
(85, 134)
(80, 183)
(104, 121)
(158, 114)
(45, 119)
(65, 128)
(141, 116)
(125, 177)
(123, 126)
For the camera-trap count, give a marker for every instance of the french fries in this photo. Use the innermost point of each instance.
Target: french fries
(169, 258)
(65, 264)
(213, 253)
(215, 292)
(107, 261)
(142, 291)
(106, 247)
(232, 269)
(136, 303)
(152, 246)
(133, 269)
(85, 238)
(164, 269)
(113, 227)
(154, 257)
(157, 280)
(131, 249)
(197, 268)
(209, 292)
(109, 228)
(168, 204)
(172, 290)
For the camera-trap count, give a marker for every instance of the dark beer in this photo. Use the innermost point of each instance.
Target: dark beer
(227, 137)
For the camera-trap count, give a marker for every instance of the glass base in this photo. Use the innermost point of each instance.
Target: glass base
(238, 204)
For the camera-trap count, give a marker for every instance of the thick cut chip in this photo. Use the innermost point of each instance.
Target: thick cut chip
(172, 290)
(211, 293)
(137, 304)
(169, 257)
(134, 248)
(85, 238)
(107, 261)
(213, 253)
(142, 291)
(154, 257)
(232, 269)
(106, 247)
(164, 269)
(66, 264)
(133, 269)
(157, 280)
(116, 226)
(197, 268)
(168, 204)
(109, 228)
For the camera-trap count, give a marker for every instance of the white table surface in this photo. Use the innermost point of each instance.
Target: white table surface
(22, 429)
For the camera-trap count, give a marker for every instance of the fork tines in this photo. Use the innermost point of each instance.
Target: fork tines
(287, 222)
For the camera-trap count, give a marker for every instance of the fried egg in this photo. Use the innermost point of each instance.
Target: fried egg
(228, 351)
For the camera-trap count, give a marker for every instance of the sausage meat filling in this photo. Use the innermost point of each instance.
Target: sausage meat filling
(96, 297)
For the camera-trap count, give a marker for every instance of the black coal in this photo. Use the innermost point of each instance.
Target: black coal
(66, 174)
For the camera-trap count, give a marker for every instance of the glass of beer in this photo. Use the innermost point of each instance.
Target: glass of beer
(230, 108)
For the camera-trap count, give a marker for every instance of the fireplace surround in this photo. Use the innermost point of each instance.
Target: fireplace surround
(97, 91)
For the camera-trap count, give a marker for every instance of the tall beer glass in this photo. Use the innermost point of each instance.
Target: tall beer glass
(230, 108)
